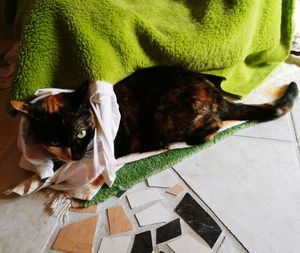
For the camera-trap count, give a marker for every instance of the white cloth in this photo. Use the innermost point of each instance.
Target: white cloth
(81, 179)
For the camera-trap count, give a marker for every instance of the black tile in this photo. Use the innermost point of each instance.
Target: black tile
(198, 219)
(120, 193)
(168, 231)
(142, 243)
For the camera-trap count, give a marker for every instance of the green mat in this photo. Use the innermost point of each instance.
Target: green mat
(138, 171)
(64, 42)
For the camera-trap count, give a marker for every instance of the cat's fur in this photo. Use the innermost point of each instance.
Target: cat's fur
(57, 121)
(158, 106)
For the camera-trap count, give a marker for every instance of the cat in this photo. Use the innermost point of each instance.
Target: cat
(158, 105)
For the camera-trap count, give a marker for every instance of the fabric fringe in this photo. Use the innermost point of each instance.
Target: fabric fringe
(59, 205)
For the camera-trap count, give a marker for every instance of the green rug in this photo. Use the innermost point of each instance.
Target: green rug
(135, 172)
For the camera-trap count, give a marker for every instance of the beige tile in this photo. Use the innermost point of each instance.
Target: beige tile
(188, 244)
(152, 215)
(163, 179)
(90, 209)
(140, 198)
(118, 220)
(115, 244)
(77, 237)
(250, 183)
(25, 226)
(175, 190)
(279, 129)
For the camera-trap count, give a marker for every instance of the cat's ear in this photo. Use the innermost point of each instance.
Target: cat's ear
(20, 106)
(82, 94)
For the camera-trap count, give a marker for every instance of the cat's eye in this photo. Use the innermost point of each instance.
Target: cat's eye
(54, 143)
(82, 134)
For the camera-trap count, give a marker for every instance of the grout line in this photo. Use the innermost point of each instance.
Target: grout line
(264, 138)
(207, 206)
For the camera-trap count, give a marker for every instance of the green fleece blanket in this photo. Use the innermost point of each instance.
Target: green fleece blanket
(64, 42)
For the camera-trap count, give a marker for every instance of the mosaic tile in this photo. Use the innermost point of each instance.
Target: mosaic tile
(120, 193)
(198, 219)
(152, 215)
(77, 237)
(164, 179)
(175, 190)
(114, 244)
(140, 198)
(118, 221)
(168, 231)
(187, 244)
(90, 209)
(142, 243)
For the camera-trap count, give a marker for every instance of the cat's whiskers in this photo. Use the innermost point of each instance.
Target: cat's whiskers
(90, 146)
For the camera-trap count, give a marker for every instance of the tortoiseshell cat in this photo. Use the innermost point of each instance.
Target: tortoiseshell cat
(158, 106)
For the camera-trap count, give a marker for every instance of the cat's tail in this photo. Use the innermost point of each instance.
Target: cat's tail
(262, 112)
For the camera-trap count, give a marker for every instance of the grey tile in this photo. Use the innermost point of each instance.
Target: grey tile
(252, 186)
(279, 129)
(25, 226)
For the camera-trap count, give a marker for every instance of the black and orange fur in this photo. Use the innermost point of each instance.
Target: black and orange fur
(162, 105)
(158, 106)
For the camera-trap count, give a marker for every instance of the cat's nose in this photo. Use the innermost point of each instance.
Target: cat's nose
(76, 157)
(76, 154)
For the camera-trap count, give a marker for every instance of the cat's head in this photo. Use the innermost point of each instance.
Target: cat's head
(64, 123)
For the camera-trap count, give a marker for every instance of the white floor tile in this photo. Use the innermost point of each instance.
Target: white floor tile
(164, 179)
(139, 198)
(152, 215)
(115, 244)
(25, 225)
(279, 129)
(253, 186)
(296, 119)
(188, 244)
(230, 245)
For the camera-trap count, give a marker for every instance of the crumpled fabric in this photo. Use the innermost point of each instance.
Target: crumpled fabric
(79, 179)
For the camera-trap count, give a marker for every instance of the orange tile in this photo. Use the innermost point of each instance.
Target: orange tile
(90, 209)
(77, 237)
(118, 221)
(175, 190)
